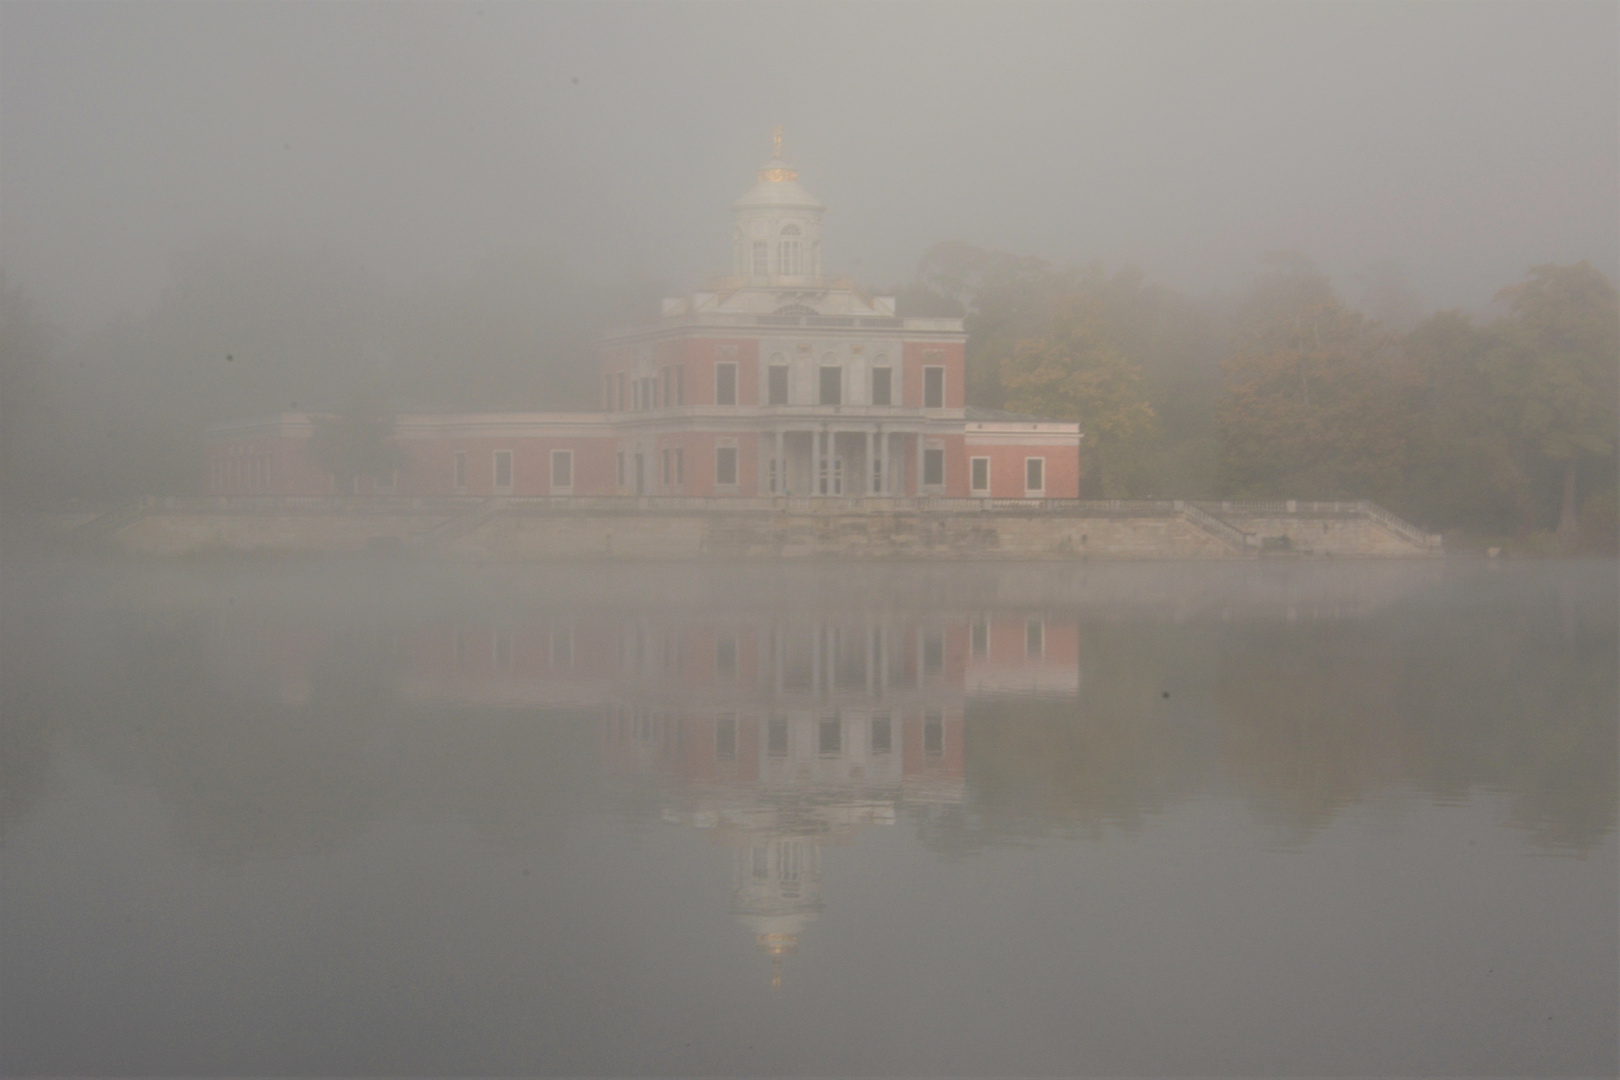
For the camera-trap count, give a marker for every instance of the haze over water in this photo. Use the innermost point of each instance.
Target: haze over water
(389, 817)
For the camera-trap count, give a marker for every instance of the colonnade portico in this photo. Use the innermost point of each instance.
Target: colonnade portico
(813, 459)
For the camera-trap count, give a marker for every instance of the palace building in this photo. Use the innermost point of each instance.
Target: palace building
(773, 381)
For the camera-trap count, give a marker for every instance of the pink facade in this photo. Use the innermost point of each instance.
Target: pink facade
(773, 381)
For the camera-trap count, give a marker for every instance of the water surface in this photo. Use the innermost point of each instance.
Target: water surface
(390, 817)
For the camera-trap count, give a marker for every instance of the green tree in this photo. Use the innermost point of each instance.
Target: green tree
(1558, 376)
(356, 443)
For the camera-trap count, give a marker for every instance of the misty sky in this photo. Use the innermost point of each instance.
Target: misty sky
(1465, 141)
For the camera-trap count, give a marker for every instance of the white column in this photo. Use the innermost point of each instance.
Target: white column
(867, 484)
(781, 463)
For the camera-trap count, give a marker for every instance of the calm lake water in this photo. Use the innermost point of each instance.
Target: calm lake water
(389, 817)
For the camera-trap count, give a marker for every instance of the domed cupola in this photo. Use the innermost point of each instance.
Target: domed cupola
(777, 234)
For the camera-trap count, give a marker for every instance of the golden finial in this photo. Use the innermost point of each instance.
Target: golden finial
(780, 173)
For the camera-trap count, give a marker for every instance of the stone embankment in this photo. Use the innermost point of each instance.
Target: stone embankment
(784, 528)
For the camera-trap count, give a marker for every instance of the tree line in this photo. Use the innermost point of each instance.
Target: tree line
(1501, 427)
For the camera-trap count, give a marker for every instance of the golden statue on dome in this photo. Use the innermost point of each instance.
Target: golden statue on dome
(776, 170)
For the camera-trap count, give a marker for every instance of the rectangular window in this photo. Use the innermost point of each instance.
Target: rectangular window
(725, 465)
(669, 386)
(882, 739)
(832, 385)
(1034, 639)
(980, 469)
(1034, 476)
(725, 737)
(933, 653)
(607, 392)
(933, 467)
(790, 261)
(933, 734)
(562, 469)
(882, 386)
(619, 381)
(831, 742)
(981, 639)
(635, 394)
(933, 388)
(461, 471)
(776, 737)
(778, 385)
(680, 386)
(725, 657)
(762, 258)
(680, 466)
(503, 469)
(725, 384)
(621, 468)
(667, 466)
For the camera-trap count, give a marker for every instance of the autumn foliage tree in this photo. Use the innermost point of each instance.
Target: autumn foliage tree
(1078, 371)
(1316, 402)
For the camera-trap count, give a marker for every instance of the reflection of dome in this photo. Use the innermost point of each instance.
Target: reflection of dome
(777, 892)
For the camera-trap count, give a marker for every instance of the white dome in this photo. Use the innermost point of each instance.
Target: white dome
(783, 192)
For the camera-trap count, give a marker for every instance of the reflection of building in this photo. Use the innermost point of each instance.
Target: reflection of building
(777, 736)
(775, 380)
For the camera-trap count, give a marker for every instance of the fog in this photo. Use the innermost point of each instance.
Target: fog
(1464, 143)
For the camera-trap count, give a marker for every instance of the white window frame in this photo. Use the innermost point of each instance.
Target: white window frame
(718, 367)
(736, 466)
(888, 374)
(495, 471)
(1035, 492)
(558, 456)
(973, 475)
(770, 382)
(821, 383)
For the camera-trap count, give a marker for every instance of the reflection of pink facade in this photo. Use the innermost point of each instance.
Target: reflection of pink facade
(775, 735)
(772, 381)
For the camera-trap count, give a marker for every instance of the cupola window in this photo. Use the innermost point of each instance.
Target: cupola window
(790, 259)
(762, 259)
